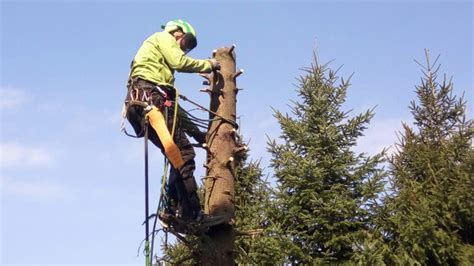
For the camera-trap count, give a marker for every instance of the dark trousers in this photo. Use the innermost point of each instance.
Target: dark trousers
(181, 190)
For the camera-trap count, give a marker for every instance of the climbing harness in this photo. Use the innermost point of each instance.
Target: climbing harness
(157, 121)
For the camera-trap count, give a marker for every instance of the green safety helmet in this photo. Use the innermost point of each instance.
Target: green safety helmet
(189, 41)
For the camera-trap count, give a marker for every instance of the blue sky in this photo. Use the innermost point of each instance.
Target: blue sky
(72, 184)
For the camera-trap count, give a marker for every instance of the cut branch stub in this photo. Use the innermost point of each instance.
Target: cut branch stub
(206, 90)
(238, 73)
(231, 49)
(241, 150)
(205, 76)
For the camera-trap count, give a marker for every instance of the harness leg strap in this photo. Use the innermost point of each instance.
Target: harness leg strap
(157, 121)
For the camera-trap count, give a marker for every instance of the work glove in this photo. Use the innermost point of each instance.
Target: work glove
(214, 64)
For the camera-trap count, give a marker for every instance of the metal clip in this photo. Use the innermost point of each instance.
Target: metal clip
(165, 95)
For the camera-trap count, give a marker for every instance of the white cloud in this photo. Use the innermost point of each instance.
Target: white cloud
(13, 154)
(33, 190)
(11, 98)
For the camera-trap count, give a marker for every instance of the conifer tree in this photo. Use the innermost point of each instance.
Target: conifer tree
(257, 242)
(431, 214)
(327, 193)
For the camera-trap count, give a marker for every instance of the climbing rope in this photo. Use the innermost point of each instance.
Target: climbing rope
(233, 123)
(200, 122)
(160, 207)
(147, 232)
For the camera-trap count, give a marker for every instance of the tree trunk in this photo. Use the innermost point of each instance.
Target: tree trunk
(218, 247)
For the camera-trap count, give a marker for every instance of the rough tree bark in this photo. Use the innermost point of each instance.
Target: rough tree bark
(218, 246)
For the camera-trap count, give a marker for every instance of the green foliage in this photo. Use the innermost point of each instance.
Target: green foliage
(180, 253)
(431, 213)
(257, 242)
(327, 194)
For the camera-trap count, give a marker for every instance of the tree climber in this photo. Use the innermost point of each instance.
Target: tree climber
(151, 80)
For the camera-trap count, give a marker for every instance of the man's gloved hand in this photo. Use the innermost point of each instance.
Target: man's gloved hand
(214, 64)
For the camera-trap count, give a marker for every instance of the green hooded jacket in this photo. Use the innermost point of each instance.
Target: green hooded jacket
(158, 58)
